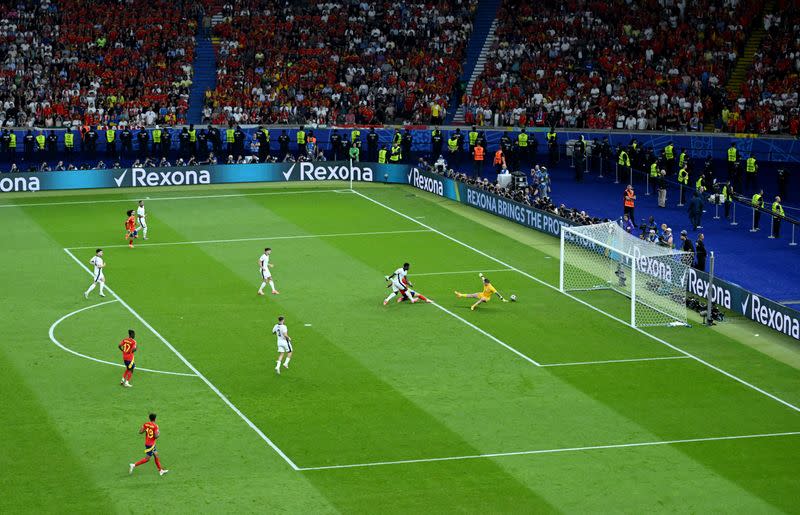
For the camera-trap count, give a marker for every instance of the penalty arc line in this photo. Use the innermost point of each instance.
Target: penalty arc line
(552, 451)
(97, 360)
(259, 238)
(191, 367)
(184, 197)
(543, 283)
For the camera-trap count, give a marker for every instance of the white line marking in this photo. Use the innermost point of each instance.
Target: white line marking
(610, 361)
(63, 347)
(464, 271)
(553, 451)
(491, 337)
(184, 197)
(193, 369)
(543, 283)
(258, 238)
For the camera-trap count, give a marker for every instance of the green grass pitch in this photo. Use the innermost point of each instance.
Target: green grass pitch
(543, 405)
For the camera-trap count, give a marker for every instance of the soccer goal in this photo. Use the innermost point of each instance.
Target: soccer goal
(606, 257)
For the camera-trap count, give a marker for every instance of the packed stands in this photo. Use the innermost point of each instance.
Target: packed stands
(610, 64)
(95, 61)
(325, 61)
(768, 100)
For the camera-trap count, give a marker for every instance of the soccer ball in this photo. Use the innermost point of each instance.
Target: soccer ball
(513, 298)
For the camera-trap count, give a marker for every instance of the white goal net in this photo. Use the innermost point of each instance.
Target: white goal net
(605, 257)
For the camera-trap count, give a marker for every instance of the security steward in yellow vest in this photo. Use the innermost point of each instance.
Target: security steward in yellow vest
(624, 165)
(669, 158)
(396, 155)
(12, 146)
(727, 198)
(733, 156)
(524, 149)
(111, 142)
(552, 146)
(157, 146)
(301, 141)
(41, 141)
(683, 181)
(69, 141)
(777, 216)
(751, 173)
(473, 137)
(382, 154)
(230, 139)
(192, 140)
(758, 204)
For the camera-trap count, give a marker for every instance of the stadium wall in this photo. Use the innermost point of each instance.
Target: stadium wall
(728, 295)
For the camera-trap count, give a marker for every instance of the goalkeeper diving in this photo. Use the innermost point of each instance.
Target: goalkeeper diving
(483, 296)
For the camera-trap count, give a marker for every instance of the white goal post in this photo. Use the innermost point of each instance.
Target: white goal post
(606, 257)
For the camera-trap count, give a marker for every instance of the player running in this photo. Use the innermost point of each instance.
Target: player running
(266, 275)
(399, 284)
(98, 277)
(130, 228)
(151, 434)
(484, 296)
(141, 218)
(284, 344)
(128, 347)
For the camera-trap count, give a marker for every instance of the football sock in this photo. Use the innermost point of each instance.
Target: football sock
(286, 362)
(390, 297)
(261, 288)
(102, 287)
(140, 462)
(278, 365)
(158, 463)
(422, 297)
(91, 288)
(145, 232)
(272, 285)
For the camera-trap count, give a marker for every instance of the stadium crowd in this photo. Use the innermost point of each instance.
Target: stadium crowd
(610, 64)
(347, 62)
(88, 62)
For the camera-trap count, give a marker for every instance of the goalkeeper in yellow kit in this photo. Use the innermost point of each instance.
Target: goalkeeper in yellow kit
(484, 296)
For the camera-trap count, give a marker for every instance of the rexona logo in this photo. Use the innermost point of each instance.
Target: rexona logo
(162, 177)
(702, 288)
(19, 183)
(654, 268)
(767, 313)
(425, 183)
(312, 172)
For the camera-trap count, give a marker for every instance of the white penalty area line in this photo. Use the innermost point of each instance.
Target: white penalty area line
(193, 369)
(183, 197)
(258, 238)
(543, 283)
(553, 451)
(53, 339)
(631, 360)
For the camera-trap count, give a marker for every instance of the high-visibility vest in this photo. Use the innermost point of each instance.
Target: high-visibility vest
(110, 135)
(193, 135)
(682, 159)
(452, 143)
(683, 176)
(751, 165)
(777, 208)
(699, 183)
(629, 198)
(522, 139)
(551, 137)
(355, 135)
(40, 140)
(69, 140)
(156, 135)
(13, 141)
(301, 137)
(473, 137)
(230, 136)
(758, 200)
(498, 157)
(434, 132)
(726, 193)
(396, 138)
(479, 153)
(732, 154)
(382, 156)
(668, 152)
(654, 170)
(624, 160)
(396, 154)
(266, 133)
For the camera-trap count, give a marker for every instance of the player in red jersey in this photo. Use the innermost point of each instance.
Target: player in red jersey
(130, 228)
(414, 294)
(128, 347)
(151, 434)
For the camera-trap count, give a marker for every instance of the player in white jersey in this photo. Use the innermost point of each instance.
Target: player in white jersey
(398, 283)
(266, 275)
(141, 218)
(99, 278)
(284, 344)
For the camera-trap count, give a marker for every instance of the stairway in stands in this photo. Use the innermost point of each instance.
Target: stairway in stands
(479, 44)
(745, 60)
(205, 75)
